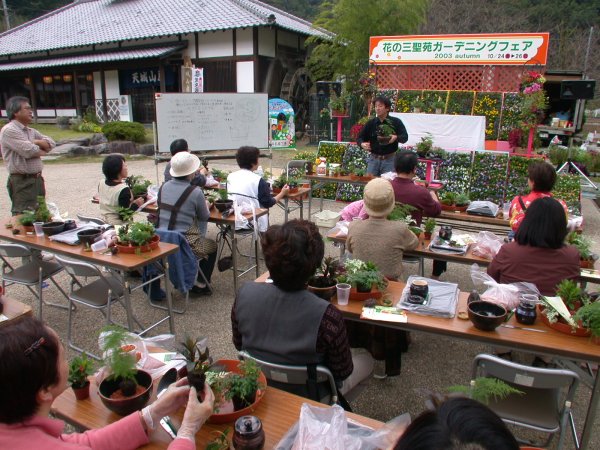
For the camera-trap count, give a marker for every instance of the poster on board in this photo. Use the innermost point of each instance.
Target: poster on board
(282, 132)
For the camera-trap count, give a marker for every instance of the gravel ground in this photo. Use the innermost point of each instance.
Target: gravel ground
(432, 362)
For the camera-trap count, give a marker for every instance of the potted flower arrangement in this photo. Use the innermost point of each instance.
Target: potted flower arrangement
(223, 203)
(589, 316)
(338, 104)
(447, 199)
(461, 201)
(439, 105)
(323, 282)
(80, 368)
(138, 185)
(425, 145)
(198, 361)
(219, 175)
(417, 104)
(429, 226)
(384, 131)
(280, 182)
(558, 312)
(366, 280)
(584, 246)
(533, 99)
(126, 389)
(137, 237)
(26, 220)
(242, 387)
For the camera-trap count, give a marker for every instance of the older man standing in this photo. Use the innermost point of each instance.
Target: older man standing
(22, 148)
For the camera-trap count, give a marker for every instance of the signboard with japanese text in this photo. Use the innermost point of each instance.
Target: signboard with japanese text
(145, 78)
(197, 80)
(476, 49)
(282, 132)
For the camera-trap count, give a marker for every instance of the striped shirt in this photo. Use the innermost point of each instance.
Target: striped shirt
(20, 154)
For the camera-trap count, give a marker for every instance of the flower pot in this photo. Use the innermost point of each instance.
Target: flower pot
(384, 139)
(460, 208)
(125, 406)
(561, 326)
(28, 228)
(417, 110)
(448, 207)
(240, 403)
(81, 393)
(339, 113)
(427, 236)
(293, 190)
(223, 205)
(438, 110)
(130, 249)
(362, 296)
(276, 190)
(324, 292)
(586, 263)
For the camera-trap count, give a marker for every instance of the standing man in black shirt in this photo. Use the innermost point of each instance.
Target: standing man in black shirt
(381, 156)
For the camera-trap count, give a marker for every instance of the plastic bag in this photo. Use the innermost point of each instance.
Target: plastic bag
(506, 295)
(241, 207)
(320, 428)
(152, 192)
(487, 245)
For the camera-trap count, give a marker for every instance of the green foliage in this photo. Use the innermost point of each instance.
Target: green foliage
(569, 292)
(220, 441)
(484, 388)
(402, 212)
(27, 218)
(80, 368)
(126, 214)
(430, 224)
(357, 272)
(138, 184)
(223, 196)
(136, 233)
(448, 198)
(325, 276)
(568, 189)
(460, 102)
(462, 199)
(42, 213)
(124, 131)
(589, 315)
(243, 385)
(190, 349)
(583, 244)
(385, 128)
(424, 145)
(121, 363)
(219, 174)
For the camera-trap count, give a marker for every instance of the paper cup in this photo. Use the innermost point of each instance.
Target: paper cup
(343, 293)
(37, 226)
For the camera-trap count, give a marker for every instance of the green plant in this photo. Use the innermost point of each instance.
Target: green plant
(220, 441)
(570, 293)
(126, 214)
(484, 388)
(385, 128)
(223, 196)
(448, 198)
(80, 368)
(461, 199)
(191, 351)
(425, 145)
(219, 174)
(359, 172)
(402, 211)
(136, 233)
(430, 224)
(121, 363)
(27, 218)
(439, 103)
(589, 315)
(583, 244)
(338, 103)
(366, 274)
(42, 213)
(325, 276)
(418, 103)
(138, 184)
(124, 131)
(245, 384)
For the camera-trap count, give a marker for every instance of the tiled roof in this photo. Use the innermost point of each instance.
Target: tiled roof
(88, 22)
(119, 55)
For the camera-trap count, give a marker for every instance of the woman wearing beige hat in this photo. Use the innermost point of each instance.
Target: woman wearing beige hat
(377, 239)
(382, 242)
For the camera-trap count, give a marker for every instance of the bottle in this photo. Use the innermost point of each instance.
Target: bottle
(525, 312)
(248, 434)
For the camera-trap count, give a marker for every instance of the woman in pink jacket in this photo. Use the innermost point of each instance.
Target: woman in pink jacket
(34, 372)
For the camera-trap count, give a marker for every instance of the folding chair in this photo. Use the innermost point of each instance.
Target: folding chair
(33, 272)
(98, 294)
(297, 378)
(546, 403)
(297, 168)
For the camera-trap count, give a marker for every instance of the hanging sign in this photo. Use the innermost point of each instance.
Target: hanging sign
(197, 80)
(477, 49)
(282, 132)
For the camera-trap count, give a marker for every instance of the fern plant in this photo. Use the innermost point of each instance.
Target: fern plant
(484, 388)
(589, 315)
(570, 293)
(121, 363)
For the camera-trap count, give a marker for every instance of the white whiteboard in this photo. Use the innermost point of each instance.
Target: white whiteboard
(212, 121)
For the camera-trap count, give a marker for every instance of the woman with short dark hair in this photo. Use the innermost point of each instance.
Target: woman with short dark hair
(113, 192)
(538, 254)
(282, 322)
(541, 178)
(34, 372)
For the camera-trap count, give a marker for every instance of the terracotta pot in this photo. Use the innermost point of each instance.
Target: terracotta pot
(362, 296)
(326, 293)
(586, 263)
(448, 207)
(128, 405)
(460, 208)
(81, 393)
(293, 190)
(338, 113)
(140, 248)
(427, 236)
(563, 327)
(28, 228)
(276, 190)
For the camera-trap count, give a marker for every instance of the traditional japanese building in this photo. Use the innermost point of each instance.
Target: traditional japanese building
(90, 53)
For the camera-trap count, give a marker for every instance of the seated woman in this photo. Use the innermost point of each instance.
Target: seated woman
(377, 239)
(251, 187)
(182, 207)
(382, 242)
(457, 423)
(33, 364)
(541, 179)
(181, 145)
(538, 254)
(284, 323)
(113, 192)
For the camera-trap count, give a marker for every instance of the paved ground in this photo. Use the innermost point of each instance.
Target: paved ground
(432, 363)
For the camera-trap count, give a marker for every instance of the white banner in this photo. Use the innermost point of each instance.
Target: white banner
(197, 80)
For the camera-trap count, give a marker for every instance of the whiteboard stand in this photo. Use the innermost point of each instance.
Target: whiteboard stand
(154, 135)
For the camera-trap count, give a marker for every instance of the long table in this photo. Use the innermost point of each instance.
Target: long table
(120, 263)
(322, 180)
(297, 200)
(278, 411)
(13, 309)
(547, 342)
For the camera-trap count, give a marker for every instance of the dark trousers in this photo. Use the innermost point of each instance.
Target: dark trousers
(23, 192)
(439, 267)
(207, 266)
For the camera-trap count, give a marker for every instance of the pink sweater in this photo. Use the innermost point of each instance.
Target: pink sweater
(45, 433)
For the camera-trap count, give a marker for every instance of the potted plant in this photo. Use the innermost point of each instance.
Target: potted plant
(219, 175)
(138, 185)
(429, 226)
(241, 388)
(447, 200)
(584, 246)
(198, 361)
(223, 203)
(363, 276)
(425, 145)
(402, 212)
(417, 104)
(137, 237)
(439, 105)
(80, 368)
(338, 104)
(323, 282)
(26, 220)
(126, 388)
(461, 201)
(589, 316)
(384, 131)
(484, 388)
(557, 312)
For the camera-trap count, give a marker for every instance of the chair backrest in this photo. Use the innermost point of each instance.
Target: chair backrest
(296, 164)
(79, 268)
(290, 374)
(14, 251)
(526, 376)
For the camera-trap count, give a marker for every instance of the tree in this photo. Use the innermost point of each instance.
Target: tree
(353, 22)
(20, 12)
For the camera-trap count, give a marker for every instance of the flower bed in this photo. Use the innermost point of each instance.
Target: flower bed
(334, 152)
(455, 171)
(488, 179)
(488, 104)
(568, 189)
(354, 157)
(516, 182)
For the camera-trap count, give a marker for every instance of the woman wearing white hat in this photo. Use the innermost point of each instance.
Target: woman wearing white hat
(182, 207)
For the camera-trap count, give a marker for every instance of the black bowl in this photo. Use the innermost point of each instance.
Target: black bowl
(486, 316)
(223, 205)
(52, 228)
(88, 237)
(128, 405)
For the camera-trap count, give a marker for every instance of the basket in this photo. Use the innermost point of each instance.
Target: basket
(327, 218)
